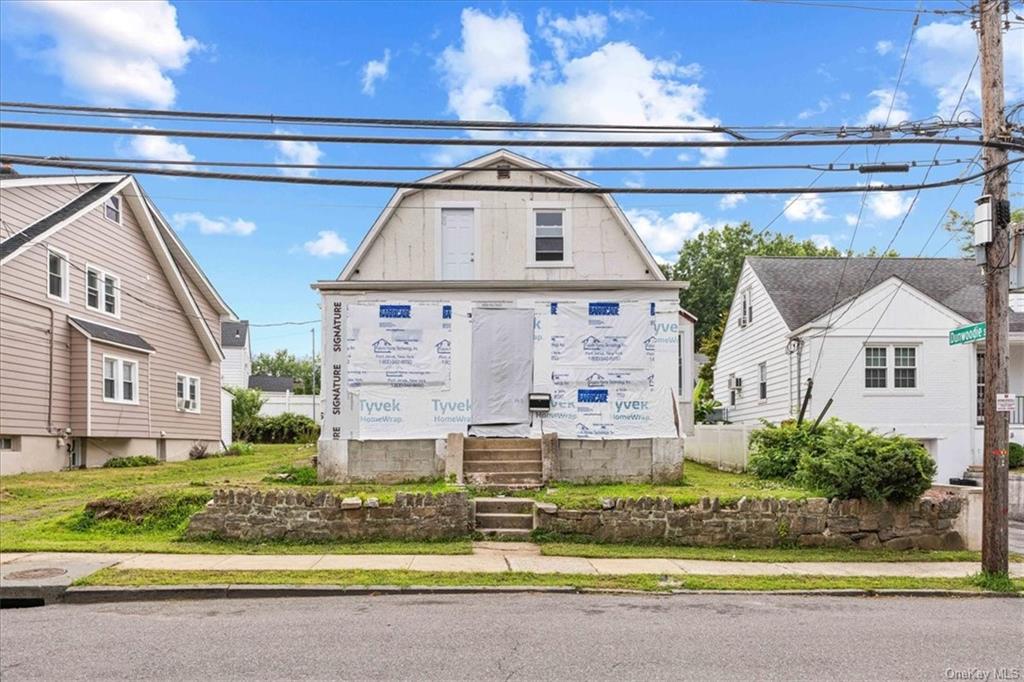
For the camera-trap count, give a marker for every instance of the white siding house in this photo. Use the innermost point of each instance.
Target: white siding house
(879, 348)
(237, 365)
(459, 303)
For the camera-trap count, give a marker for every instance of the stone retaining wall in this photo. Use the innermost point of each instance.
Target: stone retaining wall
(293, 515)
(816, 522)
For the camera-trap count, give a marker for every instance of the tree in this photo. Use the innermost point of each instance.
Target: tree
(281, 363)
(961, 228)
(245, 412)
(711, 263)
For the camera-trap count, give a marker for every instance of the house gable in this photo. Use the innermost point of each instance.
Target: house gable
(403, 242)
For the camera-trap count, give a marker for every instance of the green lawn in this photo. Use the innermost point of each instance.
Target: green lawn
(646, 583)
(698, 481)
(592, 550)
(45, 511)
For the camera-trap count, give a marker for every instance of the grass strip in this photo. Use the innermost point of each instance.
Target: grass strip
(593, 550)
(640, 582)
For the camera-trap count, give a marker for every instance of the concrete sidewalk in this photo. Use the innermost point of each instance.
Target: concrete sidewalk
(488, 557)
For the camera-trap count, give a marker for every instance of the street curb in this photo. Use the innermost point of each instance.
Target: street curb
(111, 594)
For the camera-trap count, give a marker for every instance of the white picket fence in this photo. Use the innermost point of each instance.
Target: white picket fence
(723, 446)
(279, 403)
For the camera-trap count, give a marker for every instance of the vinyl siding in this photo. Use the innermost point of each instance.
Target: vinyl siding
(236, 366)
(79, 384)
(148, 308)
(405, 248)
(22, 206)
(113, 418)
(744, 348)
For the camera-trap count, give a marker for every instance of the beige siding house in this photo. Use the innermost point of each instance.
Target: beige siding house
(461, 304)
(109, 331)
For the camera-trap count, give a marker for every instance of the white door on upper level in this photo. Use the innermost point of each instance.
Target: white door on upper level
(457, 240)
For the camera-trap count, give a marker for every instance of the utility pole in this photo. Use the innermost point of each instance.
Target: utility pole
(995, 540)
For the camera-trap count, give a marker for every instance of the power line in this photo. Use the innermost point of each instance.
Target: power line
(882, 138)
(37, 108)
(481, 187)
(831, 167)
(866, 8)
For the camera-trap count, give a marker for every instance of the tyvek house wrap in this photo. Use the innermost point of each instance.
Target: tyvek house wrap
(502, 363)
(611, 367)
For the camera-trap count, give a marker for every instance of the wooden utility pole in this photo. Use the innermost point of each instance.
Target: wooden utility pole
(995, 540)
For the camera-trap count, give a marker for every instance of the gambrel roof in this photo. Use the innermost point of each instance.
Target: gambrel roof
(487, 161)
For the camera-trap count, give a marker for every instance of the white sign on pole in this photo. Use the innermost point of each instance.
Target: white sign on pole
(1005, 402)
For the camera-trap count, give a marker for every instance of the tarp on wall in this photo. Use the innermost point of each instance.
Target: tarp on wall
(502, 364)
(611, 367)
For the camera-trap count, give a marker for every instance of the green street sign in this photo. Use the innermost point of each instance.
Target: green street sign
(968, 334)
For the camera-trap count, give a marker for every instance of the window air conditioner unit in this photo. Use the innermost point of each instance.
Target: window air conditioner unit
(184, 404)
(735, 383)
(742, 321)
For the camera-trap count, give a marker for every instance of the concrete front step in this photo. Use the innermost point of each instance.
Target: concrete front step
(507, 533)
(472, 443)
(493, 467)
(501, 478)
(503, 505)
(525, 454)
(504, 521)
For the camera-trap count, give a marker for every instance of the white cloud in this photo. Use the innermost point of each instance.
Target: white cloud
(883, 47)
(617, 83)
(664, 235)
(111, 53)
(822, 241)
(565, 35)
(375, 70)
(823, 105)
(851, 219)
(156, 147)
(291, 151)
(327, 244)
(809, 206)
(942, 57)
(628, 15)
(732, 200)
(495, 54)
(888, 205)
(232, 226)
(880, 114)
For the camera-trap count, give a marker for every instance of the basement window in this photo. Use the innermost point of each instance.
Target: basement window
(10, 443)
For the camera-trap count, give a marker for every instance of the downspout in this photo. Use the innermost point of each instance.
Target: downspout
(49, 388)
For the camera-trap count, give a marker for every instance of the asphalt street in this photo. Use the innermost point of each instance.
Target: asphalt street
(517, 636)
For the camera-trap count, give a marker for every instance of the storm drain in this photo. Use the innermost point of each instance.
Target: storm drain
(35, 574)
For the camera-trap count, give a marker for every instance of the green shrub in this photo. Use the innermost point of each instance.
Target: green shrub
(775, 450)
(245, 412)
(843, 460)
(134, 461)
(285, 428)
(857, 463)
(239, 449)
(1016, 455)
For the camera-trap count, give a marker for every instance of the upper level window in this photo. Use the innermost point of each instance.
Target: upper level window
(875, 367)
(112, 209)
(902, 373)
(57, 275)
(102, 291)
(733, 390)
(550, 238)
(747, 308)
(187, 393)
(762, 381)
(120, 380)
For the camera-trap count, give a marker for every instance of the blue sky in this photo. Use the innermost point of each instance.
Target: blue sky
(697, 62)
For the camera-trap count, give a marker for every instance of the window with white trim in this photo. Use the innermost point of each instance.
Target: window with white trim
(901, 374)
(875, 366)
(732, 390)
(762, 381)
(746, 308)
(904, 367)
(120, 380)
(187, 393)
(112, 208)
(550, 239)
(57, 275)
(102, 291)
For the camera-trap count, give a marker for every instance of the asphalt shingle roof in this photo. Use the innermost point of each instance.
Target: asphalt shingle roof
(233, 334)
(16, 241)
(100, 332)
(265, 382)
(803, 289)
